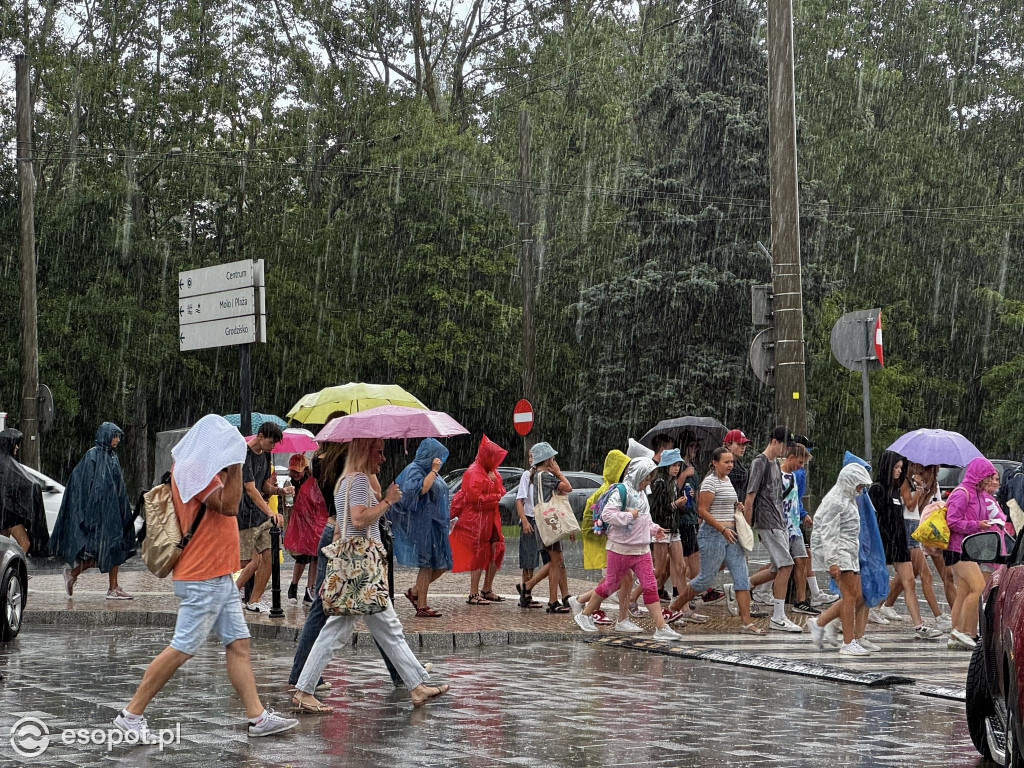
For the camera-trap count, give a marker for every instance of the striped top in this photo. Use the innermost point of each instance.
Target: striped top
(361, 495)
(723, 506)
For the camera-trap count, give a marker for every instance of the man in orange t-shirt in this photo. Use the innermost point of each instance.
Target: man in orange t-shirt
(202, 576)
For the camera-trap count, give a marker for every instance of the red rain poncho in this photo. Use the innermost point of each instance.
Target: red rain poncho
(307, 521)
(476, 540)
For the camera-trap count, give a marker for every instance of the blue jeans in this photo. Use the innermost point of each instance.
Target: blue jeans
(316, 618)
(714, 550)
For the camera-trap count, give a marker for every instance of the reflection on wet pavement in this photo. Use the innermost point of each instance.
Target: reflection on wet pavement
(560, 704)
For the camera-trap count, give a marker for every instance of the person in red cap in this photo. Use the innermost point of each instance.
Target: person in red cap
(736, 442)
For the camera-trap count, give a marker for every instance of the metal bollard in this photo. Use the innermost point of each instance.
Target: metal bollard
(275, 573)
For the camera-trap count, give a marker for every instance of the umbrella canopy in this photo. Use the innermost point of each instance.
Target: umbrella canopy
(353, 397)
(235, 420)
(709, 431)
(391, 421)
(294, 441)
(936, 446)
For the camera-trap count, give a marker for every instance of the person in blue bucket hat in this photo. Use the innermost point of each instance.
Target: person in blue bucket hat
(419, 522)
(546, 479)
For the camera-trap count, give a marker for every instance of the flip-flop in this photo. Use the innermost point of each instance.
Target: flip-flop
(752, 629)
(441, 691)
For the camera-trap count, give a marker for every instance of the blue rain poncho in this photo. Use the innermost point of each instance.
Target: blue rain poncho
(419, 521)
(95, 520)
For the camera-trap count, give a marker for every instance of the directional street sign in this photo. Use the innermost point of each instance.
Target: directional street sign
(223, 277)
(222, 306)
(219, 333)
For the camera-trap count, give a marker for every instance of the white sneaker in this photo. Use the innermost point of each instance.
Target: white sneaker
(853, 649)
(137, 726)
(831, 637)
(730, 600)
(867, 645)
(875, 617)
(667, 634)
(576, 606)
(259, 607)
(963, 638)
(944, 622)
(825, 598)
(890, 613)
(628, 627)
(762, 596)
(925, 632)
(636, 611)
(817, 633)
(272, 723)
(586, 623)
(784, 626)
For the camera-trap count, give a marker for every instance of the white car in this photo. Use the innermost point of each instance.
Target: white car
(53, 495)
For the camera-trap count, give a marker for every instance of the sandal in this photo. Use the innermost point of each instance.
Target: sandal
(433, 692)
(526, 597)
(489, 595)
(694, 618)
(476, 600)
(427, 613)
(411, 599)
(558, 608)
(752, 629)
(310, 707)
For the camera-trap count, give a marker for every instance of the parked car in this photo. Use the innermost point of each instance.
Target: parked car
(13, 587)
(950, 477)
(53, 495)
(995, 707)
(583, 484)
(509, 478)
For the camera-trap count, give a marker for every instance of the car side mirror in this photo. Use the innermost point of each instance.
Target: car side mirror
(984, 547)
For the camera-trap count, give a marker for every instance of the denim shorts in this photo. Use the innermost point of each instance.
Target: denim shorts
(205, 606)
(911, 526)
(715, 550)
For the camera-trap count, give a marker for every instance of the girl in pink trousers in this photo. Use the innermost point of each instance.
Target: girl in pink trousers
(629, 535)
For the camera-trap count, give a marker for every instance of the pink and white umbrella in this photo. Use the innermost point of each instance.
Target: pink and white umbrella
(391, 422)
(294, 441)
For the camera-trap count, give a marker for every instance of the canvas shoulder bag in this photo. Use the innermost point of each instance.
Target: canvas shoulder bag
(356, 580)
(161, 538)
(555, 518)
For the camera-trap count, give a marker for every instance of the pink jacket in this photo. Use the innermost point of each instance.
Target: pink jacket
(967, 506)
(622, 528)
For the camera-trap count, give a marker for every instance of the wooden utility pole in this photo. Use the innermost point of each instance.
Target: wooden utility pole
(29, 423)
(787, 301)
(527, 268)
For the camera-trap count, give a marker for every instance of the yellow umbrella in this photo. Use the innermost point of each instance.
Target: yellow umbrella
(351, 398)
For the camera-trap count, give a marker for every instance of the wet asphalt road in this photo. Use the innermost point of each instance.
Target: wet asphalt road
(559, 704)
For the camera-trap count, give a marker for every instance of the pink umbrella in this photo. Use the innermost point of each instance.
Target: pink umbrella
(294, 441)
(391, 421)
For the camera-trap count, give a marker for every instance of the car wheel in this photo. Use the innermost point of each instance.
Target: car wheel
(12, 604)
(979, 704)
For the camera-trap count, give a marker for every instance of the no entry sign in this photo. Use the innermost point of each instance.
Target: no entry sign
(878, 339)
(522, 417)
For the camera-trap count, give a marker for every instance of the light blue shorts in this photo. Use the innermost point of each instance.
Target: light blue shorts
(205, 606)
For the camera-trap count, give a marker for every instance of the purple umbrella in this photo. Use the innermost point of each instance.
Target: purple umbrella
(936, 446)
(391, 421)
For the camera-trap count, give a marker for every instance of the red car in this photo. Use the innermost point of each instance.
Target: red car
(994, 681)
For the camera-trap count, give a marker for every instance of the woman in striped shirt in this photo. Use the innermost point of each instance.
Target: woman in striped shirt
(718, 542)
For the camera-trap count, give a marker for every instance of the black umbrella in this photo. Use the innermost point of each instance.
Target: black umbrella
(708, 430)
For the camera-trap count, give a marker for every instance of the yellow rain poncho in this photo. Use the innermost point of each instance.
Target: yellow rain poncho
(595, 556)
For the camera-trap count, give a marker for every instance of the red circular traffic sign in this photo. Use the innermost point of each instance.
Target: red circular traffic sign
(878, 340)
(522, 417)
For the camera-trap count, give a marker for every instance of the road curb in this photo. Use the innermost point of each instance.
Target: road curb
(436, 641)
